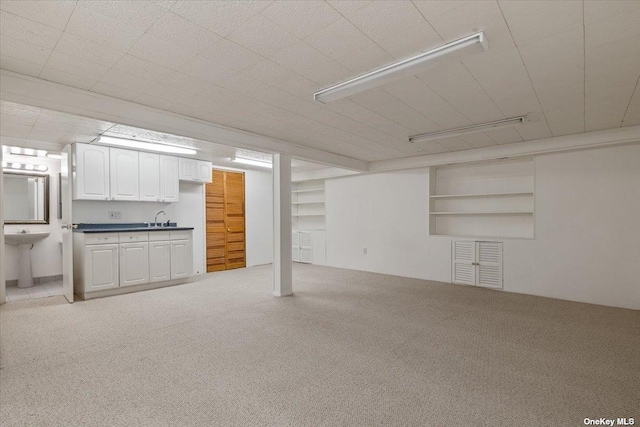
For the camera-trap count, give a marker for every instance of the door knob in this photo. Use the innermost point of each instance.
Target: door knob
(228, 229)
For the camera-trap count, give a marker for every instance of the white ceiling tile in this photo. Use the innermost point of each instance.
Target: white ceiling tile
(18, 120)
(478, 140)
(534, 128)
(382, 19)
(470, 17)
(436, 7)
(454, 144)
(348, 6)
(534, 20)
(299, 86)
(160, 52)
(153, 101)
(87, 49)
(71, 137)
(422, 98)
(477, 106)
(68, 79)
(47, 135)
(136, 14)
(256, 6)
(15, 130)
(20, 66)
(231, 55)
(609, 30)
(206, 69)
(28, 31)
(606, 109)
(76, 66)
(597, 10)
(144, 69)
(90, 25)
(221, 17)
(185, 83)
(52, 13)
(365, 60)
(431, 147)
(14, 48)
(130, 82)
(301, 18)
(411, 41)
(13, 109)
(310, 63)
(269, 72)
(243, 83)
(179, 31)
(613, 64)
(364, 115)
(504, 135)
(262, 36)
(633, 109)
(339, 39)
(566, 120)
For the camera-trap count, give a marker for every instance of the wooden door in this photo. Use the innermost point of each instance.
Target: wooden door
(225, 221)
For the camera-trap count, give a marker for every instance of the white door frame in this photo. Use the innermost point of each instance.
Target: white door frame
(66, 196)
(3, 283)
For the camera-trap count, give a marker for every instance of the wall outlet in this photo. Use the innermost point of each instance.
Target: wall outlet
(115, 215)
(364, 251)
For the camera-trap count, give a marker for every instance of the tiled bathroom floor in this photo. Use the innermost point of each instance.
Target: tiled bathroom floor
(44, 290)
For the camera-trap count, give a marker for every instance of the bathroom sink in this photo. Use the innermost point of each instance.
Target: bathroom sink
(24, 238)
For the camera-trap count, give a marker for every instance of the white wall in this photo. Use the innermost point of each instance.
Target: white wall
(587, 228)
(188, 212)
(47, 254)
(259, 217)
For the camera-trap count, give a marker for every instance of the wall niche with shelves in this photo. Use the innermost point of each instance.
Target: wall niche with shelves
(494, 200)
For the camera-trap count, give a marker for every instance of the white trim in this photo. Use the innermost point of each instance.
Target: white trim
(32, 91)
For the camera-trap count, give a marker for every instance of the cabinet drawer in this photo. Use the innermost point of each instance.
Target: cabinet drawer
(100, 238)
(180, 234)
(134, 236)
(159, 236)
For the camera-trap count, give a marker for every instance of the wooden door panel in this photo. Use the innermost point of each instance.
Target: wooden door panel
(226, 248)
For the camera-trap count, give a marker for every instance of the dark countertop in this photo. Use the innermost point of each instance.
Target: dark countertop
(120, 228)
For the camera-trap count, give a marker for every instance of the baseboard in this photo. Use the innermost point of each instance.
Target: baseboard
(36, 280)
(136, 288)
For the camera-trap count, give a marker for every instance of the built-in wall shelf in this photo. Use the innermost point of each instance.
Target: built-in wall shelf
(307, 190)
(453, 196)
(485, 213)
(491, 200)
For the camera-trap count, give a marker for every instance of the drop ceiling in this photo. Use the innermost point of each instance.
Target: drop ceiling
(572, 66)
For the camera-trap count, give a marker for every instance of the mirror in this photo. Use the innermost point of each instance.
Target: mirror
(26, 198)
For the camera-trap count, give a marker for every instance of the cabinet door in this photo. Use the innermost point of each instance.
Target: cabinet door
(149, 177)
(134, 263)
(124, 174)
(204, 171)
(101, 267)
(188, 169)
(181, 259)
(489, 263)
(318, 244)
(169, 182)
(159, 261)
(91, 177)
(463, 262)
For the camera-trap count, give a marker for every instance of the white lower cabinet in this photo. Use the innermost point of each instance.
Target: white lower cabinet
(476, 263)
(159, 261)
(134, 263)
(105, 261)
(309, 247)
(101, 267)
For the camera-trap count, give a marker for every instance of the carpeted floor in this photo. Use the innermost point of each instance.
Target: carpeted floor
(349, 349)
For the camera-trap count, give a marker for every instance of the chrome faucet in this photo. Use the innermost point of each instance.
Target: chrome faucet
(155, 220)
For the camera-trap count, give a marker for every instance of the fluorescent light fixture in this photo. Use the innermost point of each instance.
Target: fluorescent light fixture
(252, 162)
(407, 67)
(143, 145)
(21, 151)
(498, 124)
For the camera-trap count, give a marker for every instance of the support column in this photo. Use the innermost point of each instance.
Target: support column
(282, 264)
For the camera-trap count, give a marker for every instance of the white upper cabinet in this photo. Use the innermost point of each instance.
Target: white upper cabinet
(188, 169)
(149, 177)
(204, 171)
(91, 177)
(124, 174)
(169, 181)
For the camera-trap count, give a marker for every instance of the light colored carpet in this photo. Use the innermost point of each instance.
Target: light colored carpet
(350, 348)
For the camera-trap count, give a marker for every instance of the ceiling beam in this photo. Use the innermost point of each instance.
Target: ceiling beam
(40, 93)
(580, 141)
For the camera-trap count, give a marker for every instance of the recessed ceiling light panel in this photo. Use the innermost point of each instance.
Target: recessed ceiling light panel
(144, 145)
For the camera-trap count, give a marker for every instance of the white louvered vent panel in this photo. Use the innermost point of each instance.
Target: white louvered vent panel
(295, 254)
(306, 255)
(305, 239)
(463, 250)
(490, 264)
(463, 268)
(295, 239)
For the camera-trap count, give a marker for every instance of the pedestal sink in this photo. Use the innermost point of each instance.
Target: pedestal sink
(24, 242)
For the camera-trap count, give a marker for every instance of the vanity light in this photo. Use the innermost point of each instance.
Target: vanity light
(498, 124)
(407, 67)
(5, 164)
(252, 162)
(143, 145)
(42, 168)
(16, 165)
(29, 167)
(24, 167)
